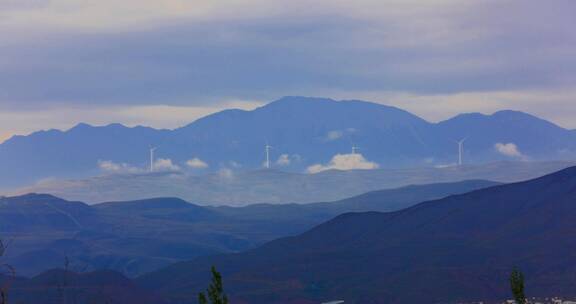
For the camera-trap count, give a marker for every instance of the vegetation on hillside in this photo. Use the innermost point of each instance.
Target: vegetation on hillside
(215, 291)
(517, 286)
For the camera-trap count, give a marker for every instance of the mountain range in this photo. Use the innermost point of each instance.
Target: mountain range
(135, 237)
(302, 131)
(461, 248)
(277, 187)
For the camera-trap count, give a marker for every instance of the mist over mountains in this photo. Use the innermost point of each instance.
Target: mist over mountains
(303, 132)
(271, 186)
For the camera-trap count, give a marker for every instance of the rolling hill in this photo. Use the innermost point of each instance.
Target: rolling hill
(135, 237)
(456, 249)
(60, 286)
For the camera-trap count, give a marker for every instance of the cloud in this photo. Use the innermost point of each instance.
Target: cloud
(225, 173)
(334, 135)
(287, 160)
(197, 163)
(338, 134)
(165, 164)
(112, 167)
(345, 162)
(509, 149)
(283, 160)
(140, 52)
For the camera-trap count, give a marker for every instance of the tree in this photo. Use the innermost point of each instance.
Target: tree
(215, 291)
(7, 273)
(517, 286)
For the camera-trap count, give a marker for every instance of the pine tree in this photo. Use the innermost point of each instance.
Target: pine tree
(517, 286)
(215, 291)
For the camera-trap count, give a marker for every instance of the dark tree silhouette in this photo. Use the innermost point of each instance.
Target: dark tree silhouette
(517, 286)
(215, 291)
(8, 272)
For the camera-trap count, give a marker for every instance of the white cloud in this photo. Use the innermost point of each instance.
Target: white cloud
(287, 160)
(197, 163)
(225, 173)
(112, 167)
(165, 164)
(338, 134)
(334, 135)
(283, 160)
(345, 162)
(136, 14)
(509, 149)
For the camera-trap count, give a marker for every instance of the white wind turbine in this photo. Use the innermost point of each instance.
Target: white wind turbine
(152, 149)
(267, 147)
(461, 151)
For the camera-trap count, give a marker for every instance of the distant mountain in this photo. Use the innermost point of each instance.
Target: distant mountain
(383, 201)
(303, 131)
(453, 250)
(139, 236)
(275, 187)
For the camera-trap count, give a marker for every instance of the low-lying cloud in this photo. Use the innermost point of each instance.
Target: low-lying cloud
(353, 161)
(287, 159)
(509, 149)
(165, 164)
(338, 134)
(225, 174)
(197, 163)
(112, 167)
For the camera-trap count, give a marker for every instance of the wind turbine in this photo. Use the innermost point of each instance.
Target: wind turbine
(152, 149)
(461, 151)
(268, 147)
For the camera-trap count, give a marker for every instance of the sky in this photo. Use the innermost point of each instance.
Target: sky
(166, 63)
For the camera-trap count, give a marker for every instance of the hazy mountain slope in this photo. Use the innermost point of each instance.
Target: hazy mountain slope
(313, 128)
(139, 236)
(454, 249)
(383, 201)
(307, 130)
(504, 127)
(273, 186)
(73, 153)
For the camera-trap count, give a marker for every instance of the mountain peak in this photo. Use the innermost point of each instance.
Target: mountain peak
(37, 197)
(81, 126)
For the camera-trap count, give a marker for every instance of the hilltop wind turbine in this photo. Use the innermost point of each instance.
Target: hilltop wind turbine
(152, 149)
(461, 151)
(267, 147)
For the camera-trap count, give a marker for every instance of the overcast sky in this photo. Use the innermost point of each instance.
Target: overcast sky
(165, 63)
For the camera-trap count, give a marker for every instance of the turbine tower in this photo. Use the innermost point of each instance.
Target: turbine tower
(268, 147)
(152, 149)
(461, 151)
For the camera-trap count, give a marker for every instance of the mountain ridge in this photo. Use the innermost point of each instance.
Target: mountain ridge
(448, 250)
(140, 236)
(388, 136)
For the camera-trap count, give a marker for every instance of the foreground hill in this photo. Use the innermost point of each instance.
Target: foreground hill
(455, 249)
(135, 237)
(274, 186)
(306, 130)
(60, 286)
